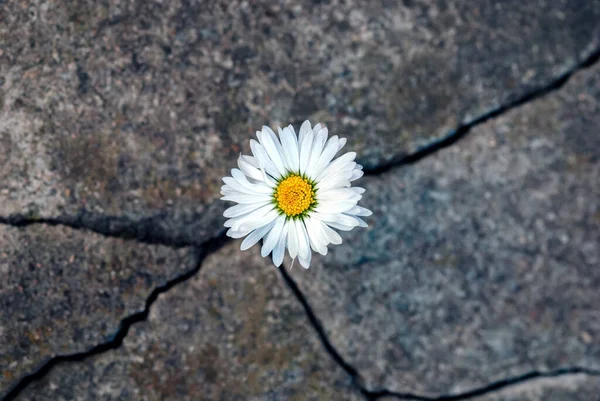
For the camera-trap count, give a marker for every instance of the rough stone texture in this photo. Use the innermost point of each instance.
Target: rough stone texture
(139, 107)
(65, 291)
(481, 261)
(233, 332)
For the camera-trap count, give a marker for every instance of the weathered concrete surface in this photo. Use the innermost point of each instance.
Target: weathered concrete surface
(481, 261)
(65, 291)
(233, 332)
(139, 107)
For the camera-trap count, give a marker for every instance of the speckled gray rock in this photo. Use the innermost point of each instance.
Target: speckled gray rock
(233, 332)
(139, 107)
(481, 261)
(64, 291)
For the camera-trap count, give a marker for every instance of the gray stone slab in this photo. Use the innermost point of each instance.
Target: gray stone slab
(140, 107)
(233, 332)
(481, 261)
(64, 291)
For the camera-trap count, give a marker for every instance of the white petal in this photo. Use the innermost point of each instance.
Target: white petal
(305, 262)
(362, 223)
(240, 210)
(305, 147)
(337, 164)
(304, 128)
(334, 206)
(237, 222)
(341, 143)
(359, 211)
(317, 127)
(356, 174)
(240, 177)
(336, 181)
(247, 199)
(279, 249)
(318, 241)
(249, 170)
(328, 153)
(273, 236)
(346, 170)
(292, 239)
(233, 184)
(341, 227)
(315, 153)
(289, 143)
(236, 233)
(331, 235)
(291, 128)
(263, 158)
(338, 218)
(260, 221)
(246, 187)
(271, 144)
(303, 241)
(339, 194)
(251, 160)
(256, 236)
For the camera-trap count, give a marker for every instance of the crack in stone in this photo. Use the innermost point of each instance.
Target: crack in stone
(489, 388)
(155, 230)
(464, 128)
(209, 247)
(318, 327)
(372, 395)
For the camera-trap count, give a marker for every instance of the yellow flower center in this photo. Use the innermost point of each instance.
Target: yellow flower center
(294, 195)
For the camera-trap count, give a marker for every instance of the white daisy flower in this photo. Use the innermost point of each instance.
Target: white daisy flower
(292, 194)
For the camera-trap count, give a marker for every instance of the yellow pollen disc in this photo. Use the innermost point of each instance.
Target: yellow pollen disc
(294, 195)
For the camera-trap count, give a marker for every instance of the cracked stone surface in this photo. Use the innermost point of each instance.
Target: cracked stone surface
(137, 108)
(578, 387)
(572, 388)
(233, 332)
(64, 291)
(481, 261)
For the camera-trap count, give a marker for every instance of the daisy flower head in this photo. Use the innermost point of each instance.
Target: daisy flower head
(292, 194)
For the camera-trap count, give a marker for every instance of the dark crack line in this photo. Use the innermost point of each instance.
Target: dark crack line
(371, 395)
(208, 247)
(463, 129)
(318, 327)
(489, 388)
(147, 230)
(153, 229)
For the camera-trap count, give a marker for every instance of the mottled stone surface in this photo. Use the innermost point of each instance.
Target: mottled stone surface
(64, 291)
(481, 261)
(233, 332)
(139, 107)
